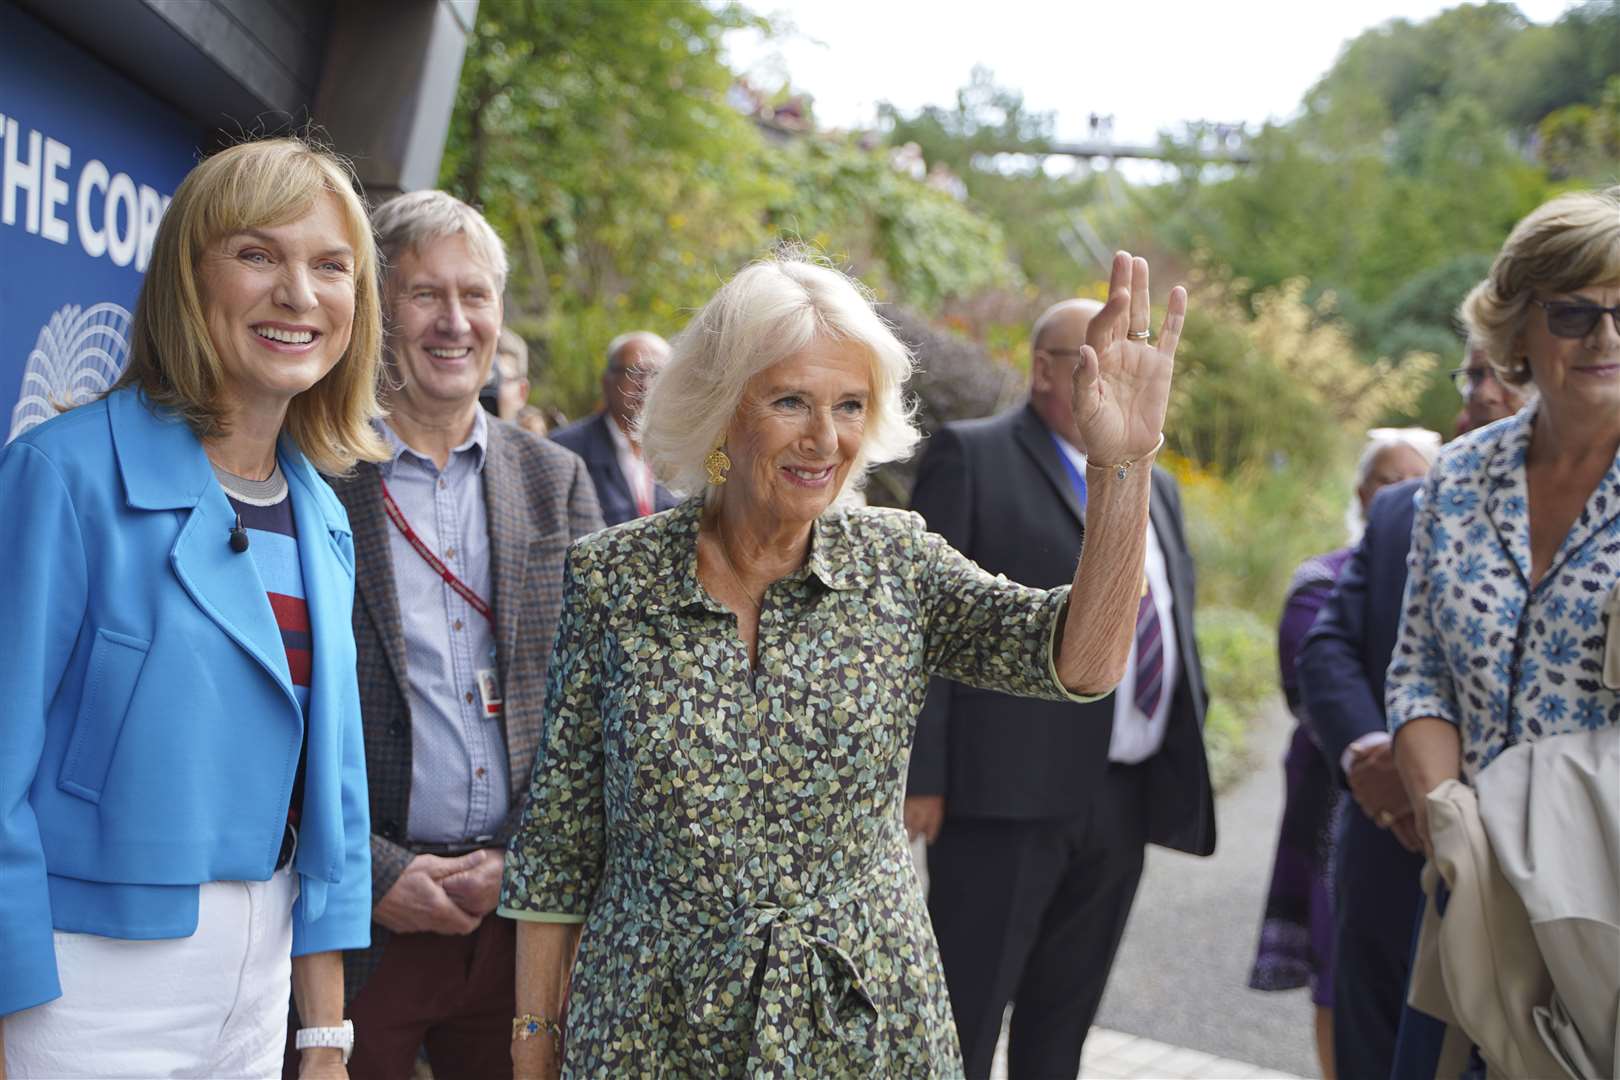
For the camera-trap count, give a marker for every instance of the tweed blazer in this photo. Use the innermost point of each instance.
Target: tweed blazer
(539, 499)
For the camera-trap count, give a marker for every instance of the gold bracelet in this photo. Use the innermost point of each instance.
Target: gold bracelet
(1123, 469)
(529, 1025)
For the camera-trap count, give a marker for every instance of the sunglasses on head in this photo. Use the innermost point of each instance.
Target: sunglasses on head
(1575, 318)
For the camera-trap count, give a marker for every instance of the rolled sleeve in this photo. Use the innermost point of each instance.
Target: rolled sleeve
(41, 610)
(987, 631)
(554, 860)
(1419, 682)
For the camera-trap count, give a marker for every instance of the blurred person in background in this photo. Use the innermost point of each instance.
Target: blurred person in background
(512, 361)
(736, 683)
(607, 440)
(1503, 646)
(460, 536)
(1038, 812)
(506, 392)
(1296, 934)
(531, 419)
(1341, 668)
(183, 821)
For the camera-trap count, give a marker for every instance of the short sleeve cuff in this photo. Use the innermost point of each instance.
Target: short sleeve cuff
(561, 917)
(1060, 612)
(1405, 706)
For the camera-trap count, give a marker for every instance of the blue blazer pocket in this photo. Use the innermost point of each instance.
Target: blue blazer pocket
(109, 683)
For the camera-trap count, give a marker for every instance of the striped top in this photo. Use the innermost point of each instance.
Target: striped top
(266, 512)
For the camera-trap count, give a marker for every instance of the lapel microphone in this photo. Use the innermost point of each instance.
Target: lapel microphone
(239, 536)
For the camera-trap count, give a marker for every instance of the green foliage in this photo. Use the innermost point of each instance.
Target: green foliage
(908, 240)
(1282, 386)
(1583, 141)
(996, 146)
(1240, 667)
(601, 143)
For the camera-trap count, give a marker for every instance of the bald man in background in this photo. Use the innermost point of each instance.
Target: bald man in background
(625, 486)
(1037, 813)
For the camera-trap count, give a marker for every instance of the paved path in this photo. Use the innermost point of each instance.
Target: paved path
(1182, 974)
(1114, 1055)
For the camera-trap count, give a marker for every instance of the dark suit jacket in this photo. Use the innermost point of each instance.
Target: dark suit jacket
(539, 500)
(591, 440)
(997, 489)
(1346, 653)
(1341, 672)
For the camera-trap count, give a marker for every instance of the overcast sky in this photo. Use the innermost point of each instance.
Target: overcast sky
(1153, 64)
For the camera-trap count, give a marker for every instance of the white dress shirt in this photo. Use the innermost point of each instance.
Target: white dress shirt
(636, 473)
(1137, 737)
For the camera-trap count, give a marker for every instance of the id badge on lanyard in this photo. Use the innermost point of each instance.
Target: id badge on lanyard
(489, 688)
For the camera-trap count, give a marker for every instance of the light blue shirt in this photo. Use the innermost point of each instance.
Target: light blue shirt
(460, 787)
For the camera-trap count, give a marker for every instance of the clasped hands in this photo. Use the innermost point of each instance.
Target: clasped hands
(438, 895)
(1122, 380)
(1376, 786)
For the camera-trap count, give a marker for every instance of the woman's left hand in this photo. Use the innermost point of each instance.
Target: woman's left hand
(1122, 384)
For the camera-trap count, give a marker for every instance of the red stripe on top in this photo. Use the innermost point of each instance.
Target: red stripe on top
(291, 612)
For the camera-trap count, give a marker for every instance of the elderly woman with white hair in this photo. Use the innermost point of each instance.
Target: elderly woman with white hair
(734, 687)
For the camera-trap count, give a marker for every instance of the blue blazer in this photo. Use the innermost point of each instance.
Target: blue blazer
(591, 440)
(149, 734)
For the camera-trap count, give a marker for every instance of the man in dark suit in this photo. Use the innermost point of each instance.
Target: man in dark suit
(625, 486)
(459, 540)
(1038, 812)
(1341, 667)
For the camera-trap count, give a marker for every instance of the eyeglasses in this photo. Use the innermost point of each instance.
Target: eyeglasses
(1575, 318)
(1062, 354)
(1468, 379)
(630, 374)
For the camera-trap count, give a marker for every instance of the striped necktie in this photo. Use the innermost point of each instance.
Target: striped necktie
(1149, 655)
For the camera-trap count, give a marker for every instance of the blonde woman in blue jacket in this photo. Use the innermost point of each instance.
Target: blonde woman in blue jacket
(183, 818)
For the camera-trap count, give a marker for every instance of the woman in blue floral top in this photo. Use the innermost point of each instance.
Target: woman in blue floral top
(1516, 545)
(715, 816)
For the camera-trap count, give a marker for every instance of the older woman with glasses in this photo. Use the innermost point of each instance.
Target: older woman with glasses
(1512, 549)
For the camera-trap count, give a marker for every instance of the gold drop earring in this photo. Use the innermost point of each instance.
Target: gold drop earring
(717, 464)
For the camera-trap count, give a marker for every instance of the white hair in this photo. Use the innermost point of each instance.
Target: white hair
(1421, 441)
(410, 221)
(770, 310)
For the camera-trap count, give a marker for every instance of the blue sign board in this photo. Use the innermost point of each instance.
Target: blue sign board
(88, 162)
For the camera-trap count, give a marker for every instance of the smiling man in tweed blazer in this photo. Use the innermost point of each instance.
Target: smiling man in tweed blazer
(459, 545)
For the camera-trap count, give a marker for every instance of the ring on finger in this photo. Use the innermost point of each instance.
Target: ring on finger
(1385, 818)
(1139, 335)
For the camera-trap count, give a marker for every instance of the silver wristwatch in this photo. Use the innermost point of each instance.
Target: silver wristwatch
(339, 1038)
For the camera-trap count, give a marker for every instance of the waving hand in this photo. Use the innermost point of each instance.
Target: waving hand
(1122, 382)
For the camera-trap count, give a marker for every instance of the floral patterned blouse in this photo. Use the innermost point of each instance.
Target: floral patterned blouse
(733, 837)
(1477, 646)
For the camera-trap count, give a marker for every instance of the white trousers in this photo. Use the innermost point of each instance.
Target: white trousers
(210, 1005)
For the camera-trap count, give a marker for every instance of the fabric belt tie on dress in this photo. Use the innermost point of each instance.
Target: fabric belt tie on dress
(801, 971)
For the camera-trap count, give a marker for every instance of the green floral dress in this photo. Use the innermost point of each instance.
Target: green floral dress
(731, 837)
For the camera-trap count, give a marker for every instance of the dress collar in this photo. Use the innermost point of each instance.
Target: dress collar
(832, 560)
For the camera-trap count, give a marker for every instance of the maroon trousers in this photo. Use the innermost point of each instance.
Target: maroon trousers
(452, 995)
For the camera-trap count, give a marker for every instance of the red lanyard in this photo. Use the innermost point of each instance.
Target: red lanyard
(463, 590)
